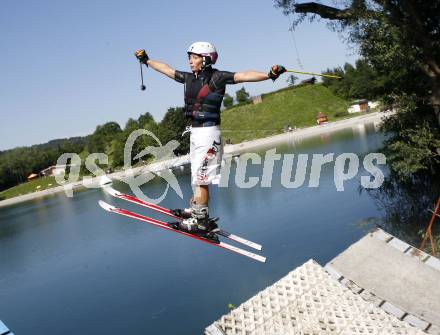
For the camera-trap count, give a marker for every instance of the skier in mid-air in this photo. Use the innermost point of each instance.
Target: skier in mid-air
(204, 88)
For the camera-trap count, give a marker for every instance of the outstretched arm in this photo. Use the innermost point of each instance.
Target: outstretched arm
(162, 68)
(154, 64)
(249, 76)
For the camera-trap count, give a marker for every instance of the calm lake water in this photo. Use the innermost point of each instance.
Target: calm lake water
(68, 267)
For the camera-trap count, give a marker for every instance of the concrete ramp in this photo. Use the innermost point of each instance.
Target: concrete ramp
(399, 278)
(379, 285)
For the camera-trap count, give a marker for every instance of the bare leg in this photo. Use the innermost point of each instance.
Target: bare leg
(201, 195)
(199, 220)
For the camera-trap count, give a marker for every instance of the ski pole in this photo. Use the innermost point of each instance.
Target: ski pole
(142, 77)
(315, 74)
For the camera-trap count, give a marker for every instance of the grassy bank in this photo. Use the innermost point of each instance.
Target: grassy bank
(29, 187)
(296, 106)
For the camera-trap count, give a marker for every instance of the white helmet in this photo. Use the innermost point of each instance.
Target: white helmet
(206, 50)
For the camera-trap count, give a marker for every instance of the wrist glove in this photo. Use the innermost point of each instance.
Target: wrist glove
(276, 71)
(142, 56)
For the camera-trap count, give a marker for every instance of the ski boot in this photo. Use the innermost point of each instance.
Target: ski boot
(200, 223)
(184, 213)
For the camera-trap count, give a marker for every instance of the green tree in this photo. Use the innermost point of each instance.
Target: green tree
(116, 157)
(359, 82)
(242, 95)
(401, 39)
(228, 101)
(18, 163)
(172, 126)
(400, 44)
(131, 126)
(146, 120)
(102, 136)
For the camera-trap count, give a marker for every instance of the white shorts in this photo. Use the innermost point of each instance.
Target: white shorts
(206, 152)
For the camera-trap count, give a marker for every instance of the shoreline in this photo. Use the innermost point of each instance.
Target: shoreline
(306, 132)
(233, 149)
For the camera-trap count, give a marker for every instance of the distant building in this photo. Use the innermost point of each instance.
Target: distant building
(32, 176)
(257, 100)
(321, 118)
(359, 106)
(373, 104)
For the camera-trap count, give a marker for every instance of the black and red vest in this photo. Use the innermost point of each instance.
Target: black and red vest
(202, 100)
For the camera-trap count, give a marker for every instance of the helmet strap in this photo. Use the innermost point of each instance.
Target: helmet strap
(206, 62)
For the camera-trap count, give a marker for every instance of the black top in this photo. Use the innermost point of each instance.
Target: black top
(217, 84)
(204, 94)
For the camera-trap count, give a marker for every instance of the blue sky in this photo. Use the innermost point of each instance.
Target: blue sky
(68, 66)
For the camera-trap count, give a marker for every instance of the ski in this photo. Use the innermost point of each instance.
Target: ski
(168, 212)
(164, 225)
